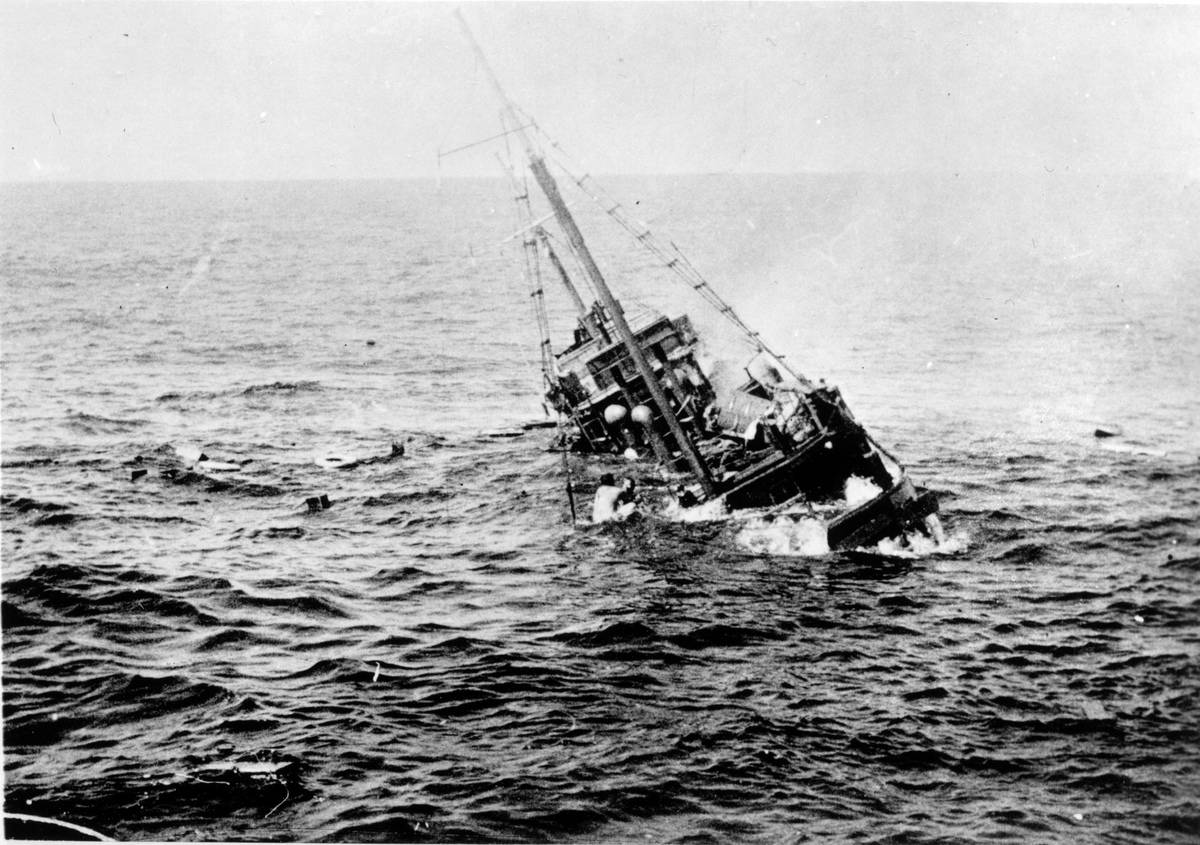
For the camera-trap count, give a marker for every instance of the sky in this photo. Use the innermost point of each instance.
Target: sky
(257, 90)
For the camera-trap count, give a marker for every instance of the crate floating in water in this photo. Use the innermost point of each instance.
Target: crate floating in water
(318, 503)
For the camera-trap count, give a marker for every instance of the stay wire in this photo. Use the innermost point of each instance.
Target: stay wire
(673, 259)
(532, 267)
(531, 250)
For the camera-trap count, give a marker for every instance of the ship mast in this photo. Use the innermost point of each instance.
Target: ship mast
(545, 180)
(586, 317)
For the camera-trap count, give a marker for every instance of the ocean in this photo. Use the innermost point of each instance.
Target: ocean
(440, 655)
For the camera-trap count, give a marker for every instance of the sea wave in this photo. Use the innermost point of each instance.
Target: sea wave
(442, 654)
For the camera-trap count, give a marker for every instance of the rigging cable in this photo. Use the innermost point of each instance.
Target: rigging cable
(531, 250)
(673, 259)
(533, 274)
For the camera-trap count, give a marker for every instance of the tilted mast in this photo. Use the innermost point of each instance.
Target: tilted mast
(587, 317)
(545, 180)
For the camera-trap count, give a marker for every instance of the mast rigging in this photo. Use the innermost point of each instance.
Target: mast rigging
(549, 186)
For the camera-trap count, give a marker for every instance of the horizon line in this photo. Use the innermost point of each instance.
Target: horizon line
(437, 178)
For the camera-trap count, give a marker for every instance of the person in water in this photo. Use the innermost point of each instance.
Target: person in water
(604, 506)
(613, 502)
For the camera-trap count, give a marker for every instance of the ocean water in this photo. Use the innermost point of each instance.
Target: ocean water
(441, 656)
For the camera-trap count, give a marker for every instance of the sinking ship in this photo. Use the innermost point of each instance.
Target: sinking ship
(632, 383)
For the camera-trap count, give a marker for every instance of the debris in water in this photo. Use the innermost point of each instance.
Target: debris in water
(503, 432)
(243, 770)
(334, 461)
(189, 454)
(1108, 431)
(248, 776)
(208, 464)
(318, 503)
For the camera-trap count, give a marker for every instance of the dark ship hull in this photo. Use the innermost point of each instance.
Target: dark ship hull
(758, 457)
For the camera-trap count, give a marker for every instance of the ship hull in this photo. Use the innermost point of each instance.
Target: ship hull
(891, 514)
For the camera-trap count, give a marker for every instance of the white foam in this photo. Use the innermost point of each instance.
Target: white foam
(800, 537)
(188, 452)
(859, 490)
(218, 466)
(801, 533)
(917, 545)
(713, 511)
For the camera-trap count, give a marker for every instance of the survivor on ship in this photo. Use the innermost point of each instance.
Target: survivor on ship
(633, 383)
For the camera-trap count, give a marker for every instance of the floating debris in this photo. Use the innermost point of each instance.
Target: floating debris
(244, 770)
(335, 461)
(249, 778)
(503, 433)
(318, 503)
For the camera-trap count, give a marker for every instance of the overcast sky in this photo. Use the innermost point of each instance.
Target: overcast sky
(217, 90)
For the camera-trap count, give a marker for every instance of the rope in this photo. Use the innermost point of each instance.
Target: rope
(531, 251)
(532, 272)
(672, 259)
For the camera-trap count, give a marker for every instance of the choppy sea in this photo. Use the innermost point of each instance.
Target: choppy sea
(441, 656)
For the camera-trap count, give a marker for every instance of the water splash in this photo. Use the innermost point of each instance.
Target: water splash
(860, 490)
(803, 534)
(784, 535)
(915, 544)
(711, 511)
